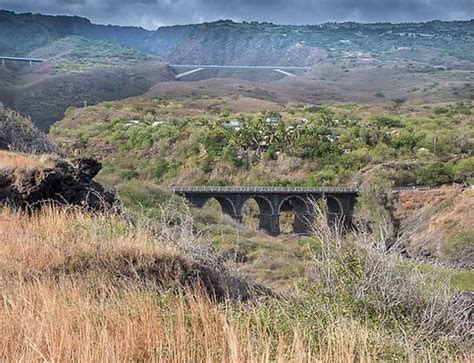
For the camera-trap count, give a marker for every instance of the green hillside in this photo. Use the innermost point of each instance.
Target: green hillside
(78, 54)
(431, 144)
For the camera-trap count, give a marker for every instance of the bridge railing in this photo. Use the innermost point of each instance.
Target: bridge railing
(220, 189)
(223, 189)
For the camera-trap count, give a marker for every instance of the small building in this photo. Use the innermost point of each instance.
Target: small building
(271, 120)
(234, 123)
(131, 123)
(303, 120)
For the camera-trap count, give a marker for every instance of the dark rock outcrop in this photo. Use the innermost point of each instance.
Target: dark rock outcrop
(66, 183)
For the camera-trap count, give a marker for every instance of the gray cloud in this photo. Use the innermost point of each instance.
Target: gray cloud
(153, 13)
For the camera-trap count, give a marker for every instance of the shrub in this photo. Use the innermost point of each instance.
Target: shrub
(385, 121)
(358, 276)
(435, 174)
(17, 133)
(464, 170)
(405, 178)
(160, 167)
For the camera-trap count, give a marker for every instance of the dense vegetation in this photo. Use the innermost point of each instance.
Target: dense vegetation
(415, 145)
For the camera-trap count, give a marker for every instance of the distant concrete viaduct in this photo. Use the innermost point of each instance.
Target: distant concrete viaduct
(183, 70)
(273, 200)
(4, 59)
(188, 69)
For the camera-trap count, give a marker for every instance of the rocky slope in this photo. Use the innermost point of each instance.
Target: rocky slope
(438, 223)
(78, 71)
(30, 174)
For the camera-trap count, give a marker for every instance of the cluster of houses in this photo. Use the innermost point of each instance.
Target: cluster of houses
(138, 122)
(299, 123)
(236, 124)
(271, 120)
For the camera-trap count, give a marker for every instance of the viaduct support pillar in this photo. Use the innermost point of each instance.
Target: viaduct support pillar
(270, 223)
(303, 223)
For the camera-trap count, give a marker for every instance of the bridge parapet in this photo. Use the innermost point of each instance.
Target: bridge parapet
(284, 190)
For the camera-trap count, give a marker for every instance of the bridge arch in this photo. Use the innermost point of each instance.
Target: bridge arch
(267, 219)
(264, 204)
(226, 204)
(302, 210)
(295, 201)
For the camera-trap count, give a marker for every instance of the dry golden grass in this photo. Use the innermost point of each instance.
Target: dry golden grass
(14, 160)
(68, 293)
(53, 310)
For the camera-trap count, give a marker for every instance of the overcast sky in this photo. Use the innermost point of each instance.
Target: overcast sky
(154, 13)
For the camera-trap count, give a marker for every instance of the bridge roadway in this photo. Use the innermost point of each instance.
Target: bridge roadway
(272, 201)
(194, 68)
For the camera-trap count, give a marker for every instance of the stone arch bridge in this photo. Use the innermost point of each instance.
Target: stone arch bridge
(274, 200)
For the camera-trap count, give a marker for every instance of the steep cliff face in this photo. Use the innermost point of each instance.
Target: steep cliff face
(222, 43)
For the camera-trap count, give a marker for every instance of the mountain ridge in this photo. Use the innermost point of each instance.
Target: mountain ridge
(224, 40)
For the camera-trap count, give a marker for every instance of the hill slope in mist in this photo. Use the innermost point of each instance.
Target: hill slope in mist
(226, 42)
(78, 71)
